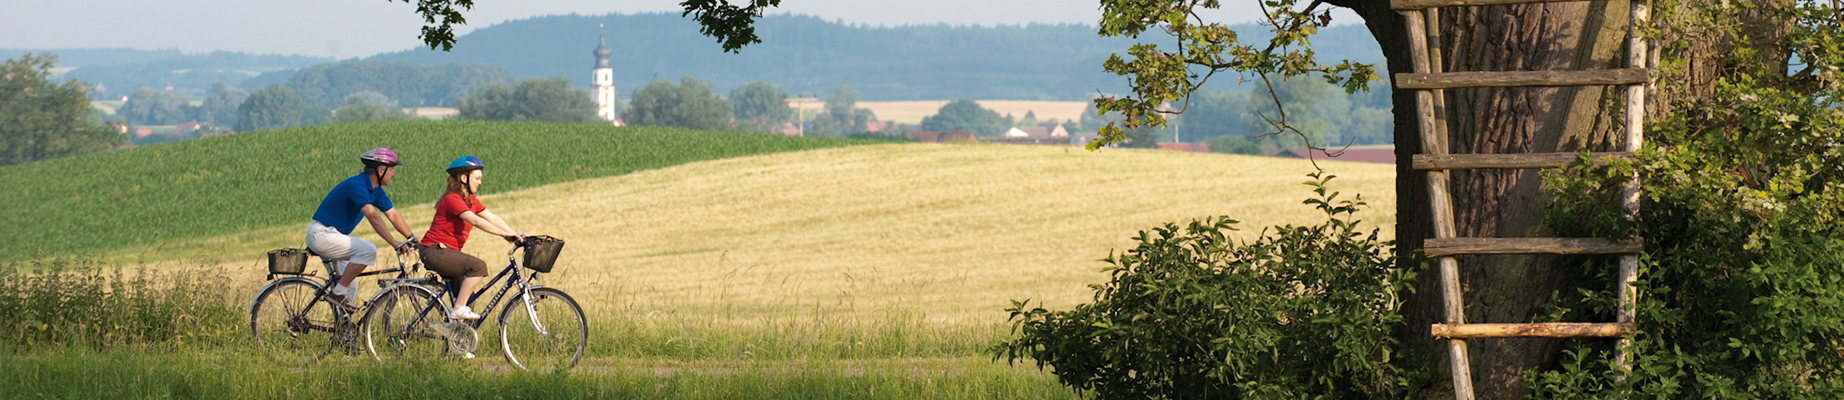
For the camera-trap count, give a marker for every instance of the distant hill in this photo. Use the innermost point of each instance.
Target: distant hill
(801, 54)
(805, 54)
(121, 71)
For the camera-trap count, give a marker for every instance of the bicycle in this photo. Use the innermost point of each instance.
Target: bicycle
(294, 320)
(540, 328)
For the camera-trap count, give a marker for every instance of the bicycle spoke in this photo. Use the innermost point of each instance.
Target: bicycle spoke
(397, 325)
(549, 335)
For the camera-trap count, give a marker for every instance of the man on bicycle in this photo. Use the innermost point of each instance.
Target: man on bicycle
(358, 197)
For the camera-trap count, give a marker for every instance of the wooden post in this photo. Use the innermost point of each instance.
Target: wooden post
(1427, 109)
(1636, 57)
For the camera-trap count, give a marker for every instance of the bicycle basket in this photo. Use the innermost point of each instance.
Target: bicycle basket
(287, 261)
(541, 252)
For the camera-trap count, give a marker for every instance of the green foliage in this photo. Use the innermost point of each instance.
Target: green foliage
(842, 117)
(1232, 144)
(41, 119)
(157, 193)
(1319, 115)
(149, 106)
(967, 115)
(548, 100)
(405, 82)
(359, 110)
(1159, 77)
(691, 104)
(760, 106)
(79, 301)
(220, 106)
(1302, 312)
(1214, 113)
(1743, 218)
(234, 372)
(277, 107)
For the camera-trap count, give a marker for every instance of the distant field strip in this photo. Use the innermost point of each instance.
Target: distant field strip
(911, 112)
(176, 193)
(943, 234)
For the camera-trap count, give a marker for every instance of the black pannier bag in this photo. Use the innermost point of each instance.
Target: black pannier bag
(287, 261)
(541, 252)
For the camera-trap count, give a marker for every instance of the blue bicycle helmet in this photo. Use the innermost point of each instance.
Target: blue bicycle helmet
(465, 164)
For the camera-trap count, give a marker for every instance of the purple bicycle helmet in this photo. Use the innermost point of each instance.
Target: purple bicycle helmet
(380, 156)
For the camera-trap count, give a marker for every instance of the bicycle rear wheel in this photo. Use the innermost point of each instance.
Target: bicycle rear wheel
(292, 323)
(550, 336)
(404, 321)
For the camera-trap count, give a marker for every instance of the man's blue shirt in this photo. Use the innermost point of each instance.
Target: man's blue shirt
(343, 207)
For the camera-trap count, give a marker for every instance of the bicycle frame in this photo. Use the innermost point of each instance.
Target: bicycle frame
(324, 289)
(513, 279)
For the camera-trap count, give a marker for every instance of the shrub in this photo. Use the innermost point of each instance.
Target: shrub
(1302, 312)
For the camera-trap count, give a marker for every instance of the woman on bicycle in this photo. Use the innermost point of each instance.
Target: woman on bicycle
(457, 213)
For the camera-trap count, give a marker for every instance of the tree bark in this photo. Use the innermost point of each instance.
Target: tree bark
(1499, 203)
(1510, 203)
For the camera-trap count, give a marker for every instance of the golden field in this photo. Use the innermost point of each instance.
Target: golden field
(947, 234)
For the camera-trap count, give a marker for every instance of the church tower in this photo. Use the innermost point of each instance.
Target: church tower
(603, 87)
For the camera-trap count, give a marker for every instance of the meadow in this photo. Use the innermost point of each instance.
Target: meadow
(860, 271)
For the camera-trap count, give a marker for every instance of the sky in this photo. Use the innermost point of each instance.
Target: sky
(358, 28)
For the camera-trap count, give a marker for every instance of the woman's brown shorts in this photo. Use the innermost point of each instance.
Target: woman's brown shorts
(452, 264)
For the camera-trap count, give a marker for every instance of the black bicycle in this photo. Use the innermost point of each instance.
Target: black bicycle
(294, 319)
(540, 328)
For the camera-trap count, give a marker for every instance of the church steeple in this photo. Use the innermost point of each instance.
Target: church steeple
(602, 84)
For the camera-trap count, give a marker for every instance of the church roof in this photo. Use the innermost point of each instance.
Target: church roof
(601, 53)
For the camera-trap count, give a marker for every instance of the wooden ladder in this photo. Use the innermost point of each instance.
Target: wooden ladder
(1429, 84)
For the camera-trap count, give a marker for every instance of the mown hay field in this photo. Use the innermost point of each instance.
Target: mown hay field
(943, 234)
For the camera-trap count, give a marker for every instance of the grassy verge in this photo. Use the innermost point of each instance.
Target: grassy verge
(173, 192)
(86, 329)
(194, 372)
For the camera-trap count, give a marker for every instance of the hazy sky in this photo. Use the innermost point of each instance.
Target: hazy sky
(358, 28)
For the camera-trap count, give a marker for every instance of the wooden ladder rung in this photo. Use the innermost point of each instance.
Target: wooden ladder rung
(1448, 80)
(1420, 4)
(1511, 161)
(1456, 246)
(1537, 330)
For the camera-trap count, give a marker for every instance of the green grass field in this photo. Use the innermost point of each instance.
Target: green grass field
(175, 192)
(832, 272)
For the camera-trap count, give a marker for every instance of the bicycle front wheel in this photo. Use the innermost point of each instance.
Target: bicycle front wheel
(405, 321)
(292, 323)
(548, 336)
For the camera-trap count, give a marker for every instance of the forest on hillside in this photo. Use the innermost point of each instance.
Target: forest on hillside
(801, 54)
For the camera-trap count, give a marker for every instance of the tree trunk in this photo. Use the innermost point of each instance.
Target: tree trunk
(1499, 203)
(1546, 36)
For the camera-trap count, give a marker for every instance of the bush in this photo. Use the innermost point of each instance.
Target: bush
(1302, 312)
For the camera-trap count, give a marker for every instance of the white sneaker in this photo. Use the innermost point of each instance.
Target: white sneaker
(346, 296)
(463, 312)
(469, 355)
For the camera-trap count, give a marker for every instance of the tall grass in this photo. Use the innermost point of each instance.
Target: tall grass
(223, 185)
(83, 328)
(184, 373)
(80, 301)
